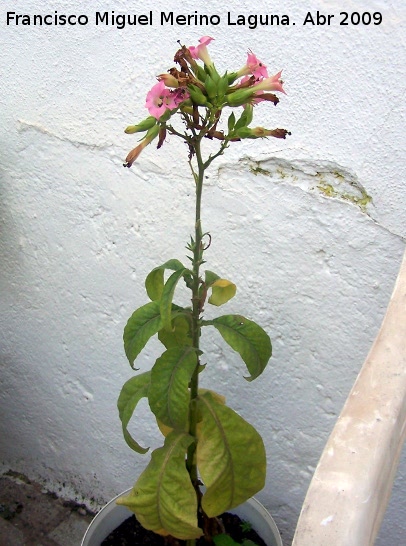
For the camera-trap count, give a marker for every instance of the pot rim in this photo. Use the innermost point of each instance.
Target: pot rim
(254, 503)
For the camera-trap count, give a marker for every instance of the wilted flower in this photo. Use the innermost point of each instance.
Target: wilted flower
(149, 137)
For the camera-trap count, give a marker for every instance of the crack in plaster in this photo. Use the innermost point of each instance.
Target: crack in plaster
(324, 178)
(28, 126)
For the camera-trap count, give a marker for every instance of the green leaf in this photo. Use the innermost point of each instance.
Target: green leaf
(222, 291)
(169, 394)
(131, 393)
(167, 296)
(247, 338)
(164, 499)
(210, 278)
(144, 323)
(224, 540)
(230, 456)
(179, 336)
(154, 283)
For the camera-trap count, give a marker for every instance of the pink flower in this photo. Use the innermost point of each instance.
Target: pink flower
(200, 51)
(156, 99)
(274, 83)
(160, 99)
(177, 96)
(253, 66)
(256, 67)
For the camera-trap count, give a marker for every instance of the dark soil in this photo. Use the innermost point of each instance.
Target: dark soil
(131, 533)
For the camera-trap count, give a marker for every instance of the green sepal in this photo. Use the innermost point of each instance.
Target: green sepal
(222, 87)
(131, 393)
(200, 73)
(169, 394)
(246, 132)
(144, 323)
(231, 122)
(230, 455)
(154, 283)
(245, 118)
(247, 338)
(197, 95)
(232, 77)
(164, 499)
(240, 97)
(211, 87)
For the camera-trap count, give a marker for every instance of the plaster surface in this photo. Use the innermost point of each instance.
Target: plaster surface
(311, 229)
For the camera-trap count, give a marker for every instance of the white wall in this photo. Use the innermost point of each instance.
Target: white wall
(79, 233)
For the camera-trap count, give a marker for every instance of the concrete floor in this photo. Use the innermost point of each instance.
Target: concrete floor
(32, 516)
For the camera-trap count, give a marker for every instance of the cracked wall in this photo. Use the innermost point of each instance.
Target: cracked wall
(311, 230)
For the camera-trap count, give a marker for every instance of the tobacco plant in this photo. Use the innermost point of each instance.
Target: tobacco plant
(205, 441)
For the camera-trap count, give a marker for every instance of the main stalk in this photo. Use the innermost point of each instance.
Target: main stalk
(197, 260)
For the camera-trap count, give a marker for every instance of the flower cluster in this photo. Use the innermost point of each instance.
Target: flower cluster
(199, 94)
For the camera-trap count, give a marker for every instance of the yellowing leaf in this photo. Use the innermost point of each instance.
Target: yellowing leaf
(222, 291)
(133, 390)
(230, 456)
(163, 428)
(165, 479)
(169, 394)
(144, 323)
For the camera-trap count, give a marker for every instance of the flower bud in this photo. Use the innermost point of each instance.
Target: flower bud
(149, 137)
(239, 97)
(196, 95)
(211, 87)
(169, 80)
(144, 125)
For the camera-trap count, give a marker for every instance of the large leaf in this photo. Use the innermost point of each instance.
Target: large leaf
(219, 397)
(230, 456)
(222, 291)
(164, 499)
(141, 326)
(131, 393)
(154, 283)
(167, 296)
(248, 339)
(179, 335)
(169, 394)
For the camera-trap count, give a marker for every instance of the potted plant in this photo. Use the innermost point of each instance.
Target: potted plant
(206, 443)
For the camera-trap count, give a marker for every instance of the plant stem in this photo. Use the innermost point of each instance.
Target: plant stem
(196, 311)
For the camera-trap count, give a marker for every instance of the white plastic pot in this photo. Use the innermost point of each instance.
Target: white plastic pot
(112, 515)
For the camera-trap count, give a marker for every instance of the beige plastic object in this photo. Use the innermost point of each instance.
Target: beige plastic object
(350, 489)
